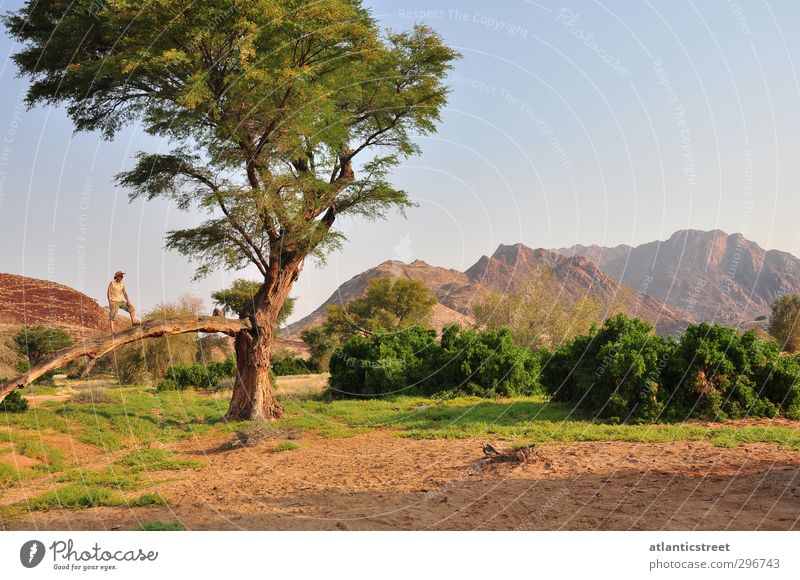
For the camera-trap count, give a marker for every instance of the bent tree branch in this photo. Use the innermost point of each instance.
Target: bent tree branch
(97, 347)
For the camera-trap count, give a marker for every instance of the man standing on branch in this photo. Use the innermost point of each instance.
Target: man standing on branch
(118, 298)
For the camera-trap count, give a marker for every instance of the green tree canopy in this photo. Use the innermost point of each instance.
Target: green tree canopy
(321, 344)
(239, 298)
(268, 103)
(388, 304)
(36, 343)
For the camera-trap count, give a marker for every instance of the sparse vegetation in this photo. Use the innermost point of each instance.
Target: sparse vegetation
(80, 496)
(284, 446)
(147, 361)
(258, 432)
(156, 460)
(48, 457)
(536, 317)
(11, 475)
(92, 395)
(113, 478)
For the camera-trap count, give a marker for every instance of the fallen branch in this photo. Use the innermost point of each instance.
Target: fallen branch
(97, 347)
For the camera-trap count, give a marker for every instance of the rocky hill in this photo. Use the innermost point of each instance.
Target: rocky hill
(31, 301)
(711, 275)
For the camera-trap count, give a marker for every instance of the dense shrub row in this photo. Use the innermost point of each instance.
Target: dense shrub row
(184, 376)
(286, 363)
(410, 361)
(619, 371)
(622, 371)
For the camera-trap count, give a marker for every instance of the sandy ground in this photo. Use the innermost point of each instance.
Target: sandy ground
(378, 481)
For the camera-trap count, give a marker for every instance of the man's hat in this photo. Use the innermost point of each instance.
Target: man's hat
(118, 273)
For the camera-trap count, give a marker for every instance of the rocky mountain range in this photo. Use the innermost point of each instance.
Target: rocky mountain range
(510, 270)
(710, 275)
(692, 276)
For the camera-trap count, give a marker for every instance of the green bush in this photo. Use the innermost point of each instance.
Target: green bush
(36, 343)
(780, 378)
(385, 363)
(184, 376)
(614, 372)
(286, 363)
(14, 401)
(621, 371)
(410, 362)
(486, 364)
(717, 373)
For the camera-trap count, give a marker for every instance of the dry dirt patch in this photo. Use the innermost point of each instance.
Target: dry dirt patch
(378, 481)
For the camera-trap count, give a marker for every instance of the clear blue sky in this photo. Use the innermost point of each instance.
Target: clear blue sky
(577, 122)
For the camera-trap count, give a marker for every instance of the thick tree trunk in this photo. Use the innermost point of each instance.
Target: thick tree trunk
(253, 396)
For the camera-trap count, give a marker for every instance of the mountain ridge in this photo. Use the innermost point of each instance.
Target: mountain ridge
(712, 275)
(510, 269)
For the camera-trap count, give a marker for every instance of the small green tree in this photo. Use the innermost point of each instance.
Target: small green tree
(240, 298)
(321, 343)
(284, 116)
(35, 343)
(784, 323)
(388, 304)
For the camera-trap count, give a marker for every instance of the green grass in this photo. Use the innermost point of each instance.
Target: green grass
(284, 446)
(156, 460)
(75, 496)
(139, 417)
(524, 420)
(161, 527)
(50, 459)
(11, 475)
(147, 499)
(111, 478)
(79, 496)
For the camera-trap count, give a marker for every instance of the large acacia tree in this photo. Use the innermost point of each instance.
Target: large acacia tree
(281, 115)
